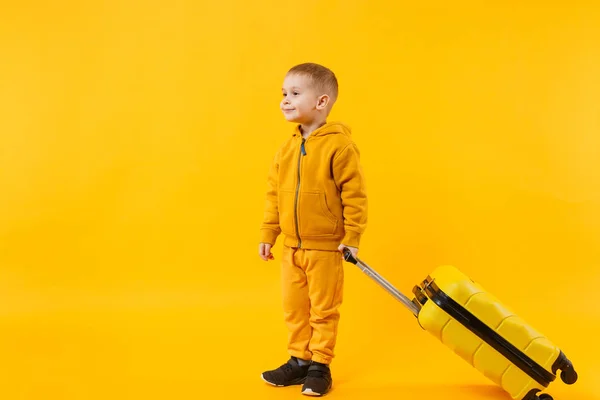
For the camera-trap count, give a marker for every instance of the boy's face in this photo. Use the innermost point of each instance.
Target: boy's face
(300, 102)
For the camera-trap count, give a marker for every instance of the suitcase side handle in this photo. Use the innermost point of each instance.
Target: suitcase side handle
(381, 281)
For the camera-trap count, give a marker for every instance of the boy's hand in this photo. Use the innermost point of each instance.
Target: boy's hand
(264, 251)
(353, 250)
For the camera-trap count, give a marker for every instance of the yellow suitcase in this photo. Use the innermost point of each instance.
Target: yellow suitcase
(482, 331)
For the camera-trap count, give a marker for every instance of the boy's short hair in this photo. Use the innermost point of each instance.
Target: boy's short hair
(322, 77)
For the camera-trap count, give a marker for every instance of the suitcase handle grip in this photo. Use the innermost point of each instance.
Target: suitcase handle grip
(381, 281)
(349, 257)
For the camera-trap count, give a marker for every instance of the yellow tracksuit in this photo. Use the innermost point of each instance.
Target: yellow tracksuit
(316, 198)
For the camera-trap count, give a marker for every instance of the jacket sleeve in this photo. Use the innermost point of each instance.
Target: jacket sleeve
(270, 229)
(349, 177)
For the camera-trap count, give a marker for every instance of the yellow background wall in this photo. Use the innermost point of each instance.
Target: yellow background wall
(135, 138)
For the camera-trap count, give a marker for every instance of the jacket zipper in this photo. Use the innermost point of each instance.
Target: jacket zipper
(302, 153)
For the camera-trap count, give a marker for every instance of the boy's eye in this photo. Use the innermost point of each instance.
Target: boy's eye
(296, 93)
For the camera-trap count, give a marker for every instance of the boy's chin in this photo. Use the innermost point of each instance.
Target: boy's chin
(296, 119)
(291, 119)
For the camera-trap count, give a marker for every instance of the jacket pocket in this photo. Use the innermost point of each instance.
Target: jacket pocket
(285, 204)
(316, 220)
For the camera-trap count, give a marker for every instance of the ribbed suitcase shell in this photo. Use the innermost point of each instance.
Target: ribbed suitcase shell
(488, 309)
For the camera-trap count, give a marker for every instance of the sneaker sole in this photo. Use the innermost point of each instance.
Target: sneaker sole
(297, 382)
(309, 392)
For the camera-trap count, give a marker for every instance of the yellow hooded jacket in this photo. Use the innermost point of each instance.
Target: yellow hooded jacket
(316, 191)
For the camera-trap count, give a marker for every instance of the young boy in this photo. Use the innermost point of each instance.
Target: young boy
(316, 197)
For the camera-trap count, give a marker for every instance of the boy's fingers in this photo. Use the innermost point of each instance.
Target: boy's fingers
(268, 254)
(264, 251)
(261, 251)
(353, 250)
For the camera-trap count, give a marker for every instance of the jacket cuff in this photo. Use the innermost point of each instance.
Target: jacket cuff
(268, 236)
(352, 239)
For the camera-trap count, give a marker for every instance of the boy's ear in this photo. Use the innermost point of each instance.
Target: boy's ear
(322, 102)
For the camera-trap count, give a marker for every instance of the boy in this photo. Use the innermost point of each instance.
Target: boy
(316, 197)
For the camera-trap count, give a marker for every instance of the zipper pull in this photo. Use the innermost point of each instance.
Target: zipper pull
(302, 149)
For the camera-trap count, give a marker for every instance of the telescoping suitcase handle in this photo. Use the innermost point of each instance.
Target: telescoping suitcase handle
(381, 281)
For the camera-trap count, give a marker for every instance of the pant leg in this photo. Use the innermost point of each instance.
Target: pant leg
(296, 304)
(325, 273)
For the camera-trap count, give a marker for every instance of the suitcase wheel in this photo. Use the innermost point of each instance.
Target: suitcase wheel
(545, 396)
(569, 376)
(567, 372)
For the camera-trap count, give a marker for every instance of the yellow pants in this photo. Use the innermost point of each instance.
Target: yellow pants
(312, 294)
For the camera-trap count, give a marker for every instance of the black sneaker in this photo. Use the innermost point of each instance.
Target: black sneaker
(290, 373)
(318, 380)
